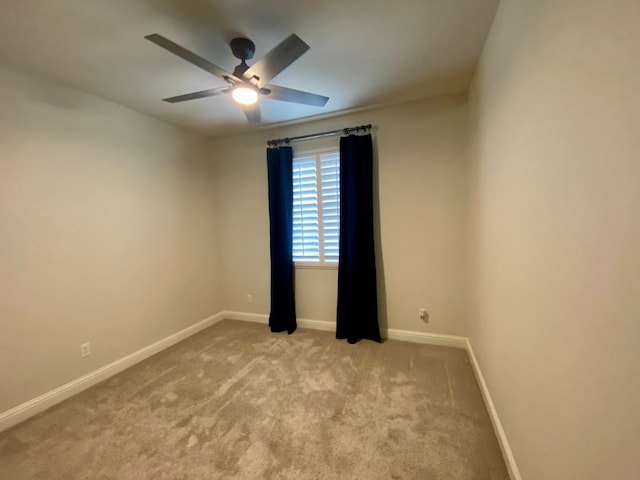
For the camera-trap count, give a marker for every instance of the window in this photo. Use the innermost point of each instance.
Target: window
(316, 207)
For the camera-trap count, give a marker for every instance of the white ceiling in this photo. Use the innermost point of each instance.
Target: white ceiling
(363, 52)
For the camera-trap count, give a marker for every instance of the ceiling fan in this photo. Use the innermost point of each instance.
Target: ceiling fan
(247, 83)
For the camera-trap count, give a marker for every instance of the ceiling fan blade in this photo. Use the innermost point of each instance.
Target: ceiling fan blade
(189, 56)
(252, 112)
(295, 96)
(279, 58)
(195, 95)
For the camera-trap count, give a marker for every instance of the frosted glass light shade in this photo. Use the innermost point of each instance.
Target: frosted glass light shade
(245, 95)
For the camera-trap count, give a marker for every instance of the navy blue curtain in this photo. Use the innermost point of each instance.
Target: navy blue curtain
(357, 295)
(283, 306)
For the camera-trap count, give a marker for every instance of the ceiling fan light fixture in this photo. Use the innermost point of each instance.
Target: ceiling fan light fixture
(245, 95)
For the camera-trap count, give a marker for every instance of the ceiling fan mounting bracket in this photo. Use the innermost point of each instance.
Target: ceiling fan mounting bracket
(243, 48)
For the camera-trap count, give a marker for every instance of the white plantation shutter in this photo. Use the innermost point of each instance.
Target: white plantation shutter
(316, 207)
(330, 187)
(306, 222)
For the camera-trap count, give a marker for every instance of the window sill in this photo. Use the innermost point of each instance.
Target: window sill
(315, 266)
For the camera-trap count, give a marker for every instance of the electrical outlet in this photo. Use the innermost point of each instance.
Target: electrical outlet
(85, 350)
(423, 315)
(249, 298)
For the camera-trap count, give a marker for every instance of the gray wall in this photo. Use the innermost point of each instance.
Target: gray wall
(107, 234)
(556, 251)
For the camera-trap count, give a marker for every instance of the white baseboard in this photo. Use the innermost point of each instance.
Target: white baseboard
(264, 319)
(36, 405)
(246, 317)
(426, 338)
(507, 454)
(316, 325)
(391, 333)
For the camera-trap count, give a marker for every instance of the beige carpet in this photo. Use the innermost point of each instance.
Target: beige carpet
(238, 402)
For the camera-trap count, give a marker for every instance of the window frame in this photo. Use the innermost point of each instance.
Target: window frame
(321, 264)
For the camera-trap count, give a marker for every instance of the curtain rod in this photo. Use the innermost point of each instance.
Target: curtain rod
(342, 131)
